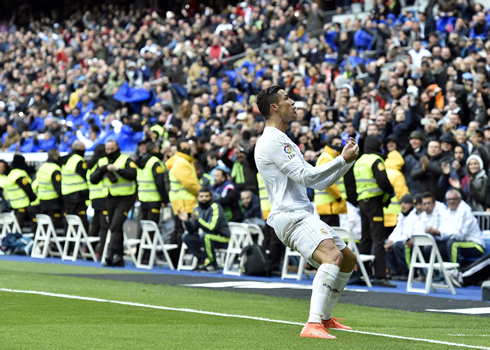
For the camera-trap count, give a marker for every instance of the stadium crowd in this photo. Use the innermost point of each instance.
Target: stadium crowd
(411, 87)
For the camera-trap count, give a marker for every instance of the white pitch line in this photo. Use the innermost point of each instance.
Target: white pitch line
(67, 296)
(470, 311)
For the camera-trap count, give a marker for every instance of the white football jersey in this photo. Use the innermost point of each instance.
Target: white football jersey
(286, 174)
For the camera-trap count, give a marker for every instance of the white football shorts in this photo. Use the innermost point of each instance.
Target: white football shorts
(303, 231)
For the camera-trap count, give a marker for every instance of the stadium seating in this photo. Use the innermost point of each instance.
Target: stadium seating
(77, 235)
(154, 245)
(348, 237)
(45, 237)
(435, 263)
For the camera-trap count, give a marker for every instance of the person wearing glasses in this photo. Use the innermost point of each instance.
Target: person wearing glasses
(460, 230)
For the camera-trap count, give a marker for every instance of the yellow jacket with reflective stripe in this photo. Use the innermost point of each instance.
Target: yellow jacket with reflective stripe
(100, 190)
(44, 177)
(122, 187)
(13, 192)
(366, 185)
(71, 181)
(147, 189)
(184, 184)
(265, 205)
(399, 184)
(326, 200)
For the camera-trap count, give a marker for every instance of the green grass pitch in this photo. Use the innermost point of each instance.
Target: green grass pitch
(30, 321)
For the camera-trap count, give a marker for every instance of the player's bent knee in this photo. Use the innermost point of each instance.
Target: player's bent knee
(350, 259)
(328, 253)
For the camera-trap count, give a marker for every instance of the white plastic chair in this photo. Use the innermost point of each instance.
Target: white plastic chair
(9, 224)
(298, 275)
(46, 234)
(255, 229)
(182, 266)
(128, 243)
(348, 237)
(240, 238)
(77, 235)
(154, 245)
(435, 263)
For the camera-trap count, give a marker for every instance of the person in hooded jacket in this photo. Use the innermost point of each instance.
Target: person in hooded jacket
(394, 163)
(184, 186)
(332, 201)
(374, 191)
(98, 197)
(151, 187)
(473, 185)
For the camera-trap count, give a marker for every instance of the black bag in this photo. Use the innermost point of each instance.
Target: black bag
(254, 261)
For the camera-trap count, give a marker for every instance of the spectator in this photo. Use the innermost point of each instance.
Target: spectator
(459, 232)
(227, 196)
(251, 208)
(428, 170)
(395, 243)
(210, 217)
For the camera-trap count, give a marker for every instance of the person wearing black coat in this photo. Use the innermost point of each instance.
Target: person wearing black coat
(429, 169)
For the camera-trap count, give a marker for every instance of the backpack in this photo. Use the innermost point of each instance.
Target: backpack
(254, 261)
(15, 243)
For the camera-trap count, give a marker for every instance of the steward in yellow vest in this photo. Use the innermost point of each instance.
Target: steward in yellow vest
(394, 163)
(332, 201)
(48, 177)
(243, 169)
(151, 188)
(98, 199)
(118, 173)
(373, 192)
(16, 185)
(74, 187)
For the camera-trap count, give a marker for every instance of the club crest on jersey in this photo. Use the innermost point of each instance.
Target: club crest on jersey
(289, 152)
(323, 231)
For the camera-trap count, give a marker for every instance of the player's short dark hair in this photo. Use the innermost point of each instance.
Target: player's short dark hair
(167, 108)
(205, 189)
(266, 97)
(428, 194)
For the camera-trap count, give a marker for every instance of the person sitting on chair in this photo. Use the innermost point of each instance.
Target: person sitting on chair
(460, 230)
(210, 217)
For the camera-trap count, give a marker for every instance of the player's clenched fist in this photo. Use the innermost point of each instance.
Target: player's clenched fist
(350, 151)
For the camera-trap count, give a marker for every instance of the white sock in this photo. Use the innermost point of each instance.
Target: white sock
(322, 290)
(338, 288)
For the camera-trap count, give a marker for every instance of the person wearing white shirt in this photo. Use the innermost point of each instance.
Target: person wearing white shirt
(286, 176)
(459, 230)
(400, 239)
(433, 216)
(418, 52)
